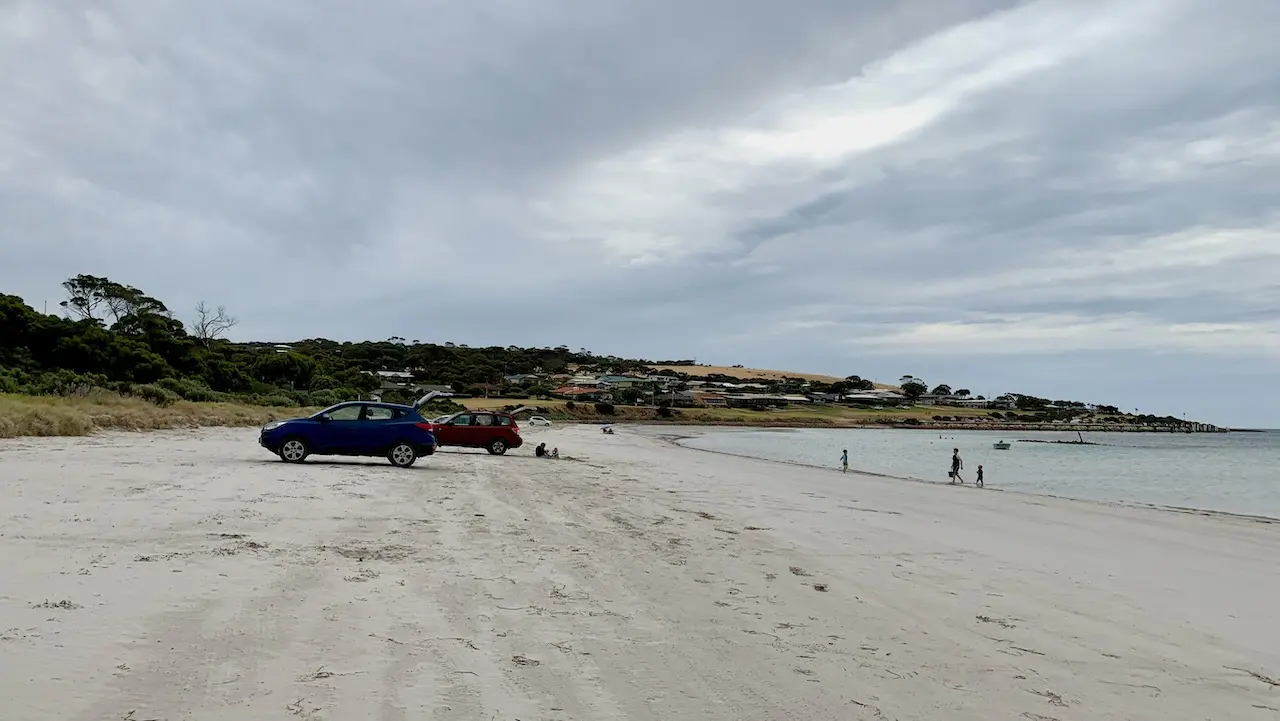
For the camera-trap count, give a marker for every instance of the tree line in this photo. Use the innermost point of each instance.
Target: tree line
(116, 336)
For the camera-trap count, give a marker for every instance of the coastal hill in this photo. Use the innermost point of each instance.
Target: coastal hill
(751, 373)
(122, 349)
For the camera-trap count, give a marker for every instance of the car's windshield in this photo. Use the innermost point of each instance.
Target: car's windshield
(330, 409)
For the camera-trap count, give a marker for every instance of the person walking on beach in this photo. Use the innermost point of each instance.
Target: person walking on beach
(844, 461)
(979, 481)
(956, 465)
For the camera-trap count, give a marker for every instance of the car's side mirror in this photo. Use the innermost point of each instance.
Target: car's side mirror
(325, 417)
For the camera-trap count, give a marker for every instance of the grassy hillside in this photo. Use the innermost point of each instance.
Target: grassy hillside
(812, 415)
(747, 374)
(102, 410)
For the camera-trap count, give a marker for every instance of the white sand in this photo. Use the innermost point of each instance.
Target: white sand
(206, 580)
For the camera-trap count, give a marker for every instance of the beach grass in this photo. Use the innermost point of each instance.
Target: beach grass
(99, 410)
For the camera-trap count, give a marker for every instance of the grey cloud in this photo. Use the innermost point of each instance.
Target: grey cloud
(353, 170)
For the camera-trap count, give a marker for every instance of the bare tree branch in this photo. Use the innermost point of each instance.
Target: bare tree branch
(210, 324)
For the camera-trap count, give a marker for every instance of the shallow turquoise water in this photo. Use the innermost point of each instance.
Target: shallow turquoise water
(1233, 472)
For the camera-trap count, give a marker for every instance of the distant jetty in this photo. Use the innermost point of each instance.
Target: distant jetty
(1080, 441)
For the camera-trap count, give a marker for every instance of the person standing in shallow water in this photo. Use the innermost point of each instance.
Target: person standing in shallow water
(956, 465)
(844, 461)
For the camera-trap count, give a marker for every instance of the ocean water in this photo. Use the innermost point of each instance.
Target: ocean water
(1231, 472)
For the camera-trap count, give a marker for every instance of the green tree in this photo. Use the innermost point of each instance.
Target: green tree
(913, 389)
(91, 297)
(285, 369)
(858, 383)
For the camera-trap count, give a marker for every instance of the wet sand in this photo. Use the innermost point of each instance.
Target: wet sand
(188, 574)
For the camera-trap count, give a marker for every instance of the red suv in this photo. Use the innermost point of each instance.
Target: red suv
(494, 432)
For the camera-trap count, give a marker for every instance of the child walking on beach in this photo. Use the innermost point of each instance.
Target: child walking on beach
(979, 475)
(844, 461)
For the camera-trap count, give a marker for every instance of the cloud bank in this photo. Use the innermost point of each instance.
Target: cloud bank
(1065, 197)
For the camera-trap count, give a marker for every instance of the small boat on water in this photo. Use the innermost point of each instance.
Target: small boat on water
(1001, 446)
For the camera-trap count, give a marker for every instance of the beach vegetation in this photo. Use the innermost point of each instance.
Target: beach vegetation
(129, 360)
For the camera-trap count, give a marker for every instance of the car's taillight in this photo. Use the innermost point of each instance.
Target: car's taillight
(424, 426)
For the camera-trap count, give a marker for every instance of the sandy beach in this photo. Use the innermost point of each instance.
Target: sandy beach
(190, 575)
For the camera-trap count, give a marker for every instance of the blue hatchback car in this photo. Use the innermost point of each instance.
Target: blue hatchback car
(356, 428)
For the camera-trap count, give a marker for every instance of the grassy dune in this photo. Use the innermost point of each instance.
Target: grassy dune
(101, 410)
(748, 373)
(813, 415)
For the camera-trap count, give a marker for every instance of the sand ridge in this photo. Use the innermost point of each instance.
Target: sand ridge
(190, 575)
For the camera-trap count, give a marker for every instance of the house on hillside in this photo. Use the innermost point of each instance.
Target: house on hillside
(580, 393)
(712, 400)
(874, 397)
(763, 400)
(403, 380)
(967, 402)
(393, 380)
(681, 399)
(611, 381)
(745, 387)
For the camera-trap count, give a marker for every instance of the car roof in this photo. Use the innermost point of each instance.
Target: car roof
(377, 404)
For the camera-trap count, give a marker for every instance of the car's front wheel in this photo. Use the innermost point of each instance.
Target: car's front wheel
(497, 447)
(402, 455)
(294, 450)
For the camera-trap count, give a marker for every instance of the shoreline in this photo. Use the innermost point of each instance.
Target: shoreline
(675, 441)
(885, 425)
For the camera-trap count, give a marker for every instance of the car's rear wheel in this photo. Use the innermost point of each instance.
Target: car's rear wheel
(294, 450)
(402, 455)
(497, 447)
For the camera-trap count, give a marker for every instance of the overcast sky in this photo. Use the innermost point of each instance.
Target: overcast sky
(1072, 198)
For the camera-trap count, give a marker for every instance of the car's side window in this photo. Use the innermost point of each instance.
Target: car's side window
(504, 420)
(484, 419)
(462, 420)
(345, 413)
(377, 413)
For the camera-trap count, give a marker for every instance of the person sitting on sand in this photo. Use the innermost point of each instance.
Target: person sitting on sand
(541, 450)
(979, 475)
(844, 461)
(956, 465)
